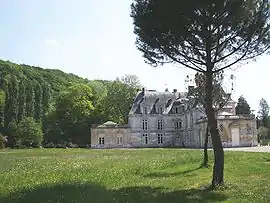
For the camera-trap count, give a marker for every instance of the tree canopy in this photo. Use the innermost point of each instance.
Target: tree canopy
(197, 34)
(242, 107)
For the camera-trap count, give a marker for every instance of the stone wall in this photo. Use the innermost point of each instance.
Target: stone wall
(247, 131)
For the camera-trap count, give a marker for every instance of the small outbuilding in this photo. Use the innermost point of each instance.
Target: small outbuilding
(110, 135)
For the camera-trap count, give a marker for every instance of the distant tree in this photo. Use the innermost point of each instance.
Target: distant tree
(132, 81)
(263, 113)
(205, 36)
(263, 133)
(120, 96)
(30, 132)
(242, 107)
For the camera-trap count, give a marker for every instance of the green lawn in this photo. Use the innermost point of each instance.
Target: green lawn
(147, 175)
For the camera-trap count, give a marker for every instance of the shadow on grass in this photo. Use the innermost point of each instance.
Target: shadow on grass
(85, 193)
(167, 174)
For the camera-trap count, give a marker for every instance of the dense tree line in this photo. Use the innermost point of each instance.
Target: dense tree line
(52, 108)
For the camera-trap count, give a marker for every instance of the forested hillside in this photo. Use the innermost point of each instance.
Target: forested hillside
(53, 108)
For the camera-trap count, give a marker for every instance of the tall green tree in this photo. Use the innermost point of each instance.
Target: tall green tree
(99, 95)
(30, 100)
(38, 108)
(205, 36)
(73, 109)
(2, 109)
(11, 88)
(29, 132)
(263, 113)
(22, 100)
(242, 107)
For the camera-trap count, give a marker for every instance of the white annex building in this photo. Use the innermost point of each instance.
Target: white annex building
(169, 119)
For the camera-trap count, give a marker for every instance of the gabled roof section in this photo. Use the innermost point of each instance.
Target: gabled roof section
(135, 109)
(154, 109)
(153, 99)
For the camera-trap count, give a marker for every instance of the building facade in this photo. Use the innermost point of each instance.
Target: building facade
(169, 119)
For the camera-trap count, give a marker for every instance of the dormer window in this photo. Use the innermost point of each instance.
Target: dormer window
(160, 110)
(182, 108)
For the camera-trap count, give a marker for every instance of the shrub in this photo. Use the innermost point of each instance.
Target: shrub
(49, 145)
(2, 141)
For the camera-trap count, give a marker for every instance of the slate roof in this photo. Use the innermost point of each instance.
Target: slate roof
(153, 99)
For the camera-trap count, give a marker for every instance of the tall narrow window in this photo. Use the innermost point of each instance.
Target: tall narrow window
(160, 125)
(176, 110)
(144, 124)
(186, 121)
(101, 141)
(178, 124)
(249, 129)
(145, 138)
(119, 140)
(191, 119)
(145, 110)
(160, 138)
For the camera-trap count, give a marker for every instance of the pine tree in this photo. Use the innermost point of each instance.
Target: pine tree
(242, 107)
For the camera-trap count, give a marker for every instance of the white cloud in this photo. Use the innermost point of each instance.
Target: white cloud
(51, 42)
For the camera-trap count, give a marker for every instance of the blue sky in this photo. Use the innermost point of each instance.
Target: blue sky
(95, 40)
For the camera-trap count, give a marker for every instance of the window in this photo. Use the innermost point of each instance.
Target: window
(145, 110)
(160, 138)
(145, 138)
(221, 128)
(160, 125)
(119, 140)
(176, 110)
(186, 121)
(101, 141)
(178, 124)
(144, 124)
(249, 129)
(191, 119)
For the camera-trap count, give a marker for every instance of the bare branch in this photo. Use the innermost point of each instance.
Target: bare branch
(242, 58)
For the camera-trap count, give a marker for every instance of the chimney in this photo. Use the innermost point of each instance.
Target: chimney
(174, 90)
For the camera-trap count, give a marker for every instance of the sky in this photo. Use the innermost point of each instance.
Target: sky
(94, 39)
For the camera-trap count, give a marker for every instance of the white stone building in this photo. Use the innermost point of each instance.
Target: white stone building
(169, 119)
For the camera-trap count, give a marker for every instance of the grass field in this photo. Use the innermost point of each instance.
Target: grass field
(147, 175)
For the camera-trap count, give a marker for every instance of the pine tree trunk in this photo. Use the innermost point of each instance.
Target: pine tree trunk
(218, 170)
(205, 152)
